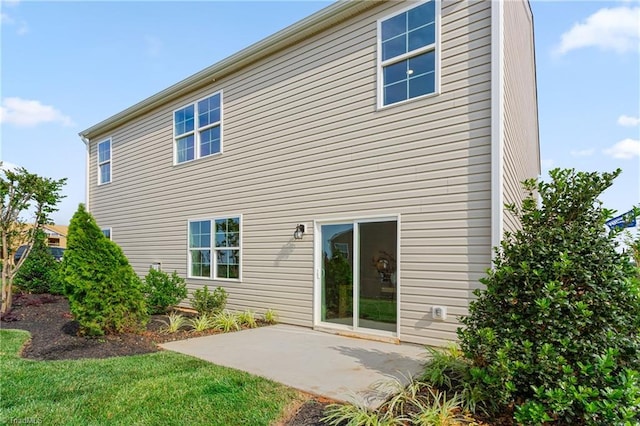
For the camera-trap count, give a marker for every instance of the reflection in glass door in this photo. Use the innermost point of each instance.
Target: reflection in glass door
(377, 283)
(359, 274)
(337, 282)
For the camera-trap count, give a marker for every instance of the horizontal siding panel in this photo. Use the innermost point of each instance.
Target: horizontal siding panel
(306, 143)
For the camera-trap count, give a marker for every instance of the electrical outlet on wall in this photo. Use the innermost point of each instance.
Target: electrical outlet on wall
(439, 312)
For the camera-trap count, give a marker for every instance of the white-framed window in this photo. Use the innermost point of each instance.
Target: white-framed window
(408, 54)
(104, 162)
(106, 232)
(197, 129)
(215, 248)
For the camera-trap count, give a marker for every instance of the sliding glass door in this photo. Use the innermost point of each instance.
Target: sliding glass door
(359, 274)
(377, 295)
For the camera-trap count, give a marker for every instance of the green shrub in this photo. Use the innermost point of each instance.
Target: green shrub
(556, 331)
(206, 302)
(162, 290)
(105, 294)
(40, 272)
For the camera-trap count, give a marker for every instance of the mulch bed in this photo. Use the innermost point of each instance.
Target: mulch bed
(54, 337)
(54, 333)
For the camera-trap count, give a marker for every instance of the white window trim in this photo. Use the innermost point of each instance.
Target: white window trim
(380, 64)
(110, 161)
(212, 248)
(110, 229)
(196, 130)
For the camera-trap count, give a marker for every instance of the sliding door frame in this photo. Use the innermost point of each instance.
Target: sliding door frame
(318, 270)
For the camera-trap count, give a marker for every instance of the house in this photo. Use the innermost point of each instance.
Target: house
(56, 235)
(386, 135)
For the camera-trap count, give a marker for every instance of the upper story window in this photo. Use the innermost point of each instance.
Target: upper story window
(104, 162)
(214, 248)
(197, 129)
(407, 54)
(106, 232)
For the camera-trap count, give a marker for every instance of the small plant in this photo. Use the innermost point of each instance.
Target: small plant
(202, 323)
(446, 368)
(162, 290)
(270, 316)
(438, 410)
(358, 415)
(175, 323)
(226, 321)
(247, 319)
(402, 395)
(211, 303)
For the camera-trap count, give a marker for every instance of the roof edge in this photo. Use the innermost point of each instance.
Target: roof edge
(313, 24)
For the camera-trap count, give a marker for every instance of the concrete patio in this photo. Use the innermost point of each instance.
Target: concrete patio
(336, 367)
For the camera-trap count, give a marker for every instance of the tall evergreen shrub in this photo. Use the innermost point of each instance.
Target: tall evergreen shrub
(105, 294)
(556, 332)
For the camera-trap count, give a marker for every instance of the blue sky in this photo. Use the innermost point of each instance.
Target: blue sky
(65, 66)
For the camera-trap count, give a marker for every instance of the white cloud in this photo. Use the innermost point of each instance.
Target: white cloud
(548, 163)
(628, 121)
(582, 152)
(6, 19)
(625, 149)
(616, 29)
(23, 28)
(153, 45)
(26, 113)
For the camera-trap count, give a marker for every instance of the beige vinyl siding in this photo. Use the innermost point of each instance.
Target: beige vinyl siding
(303, 142)
(521, 144)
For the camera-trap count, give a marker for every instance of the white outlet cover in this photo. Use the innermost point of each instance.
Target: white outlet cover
(440, 312)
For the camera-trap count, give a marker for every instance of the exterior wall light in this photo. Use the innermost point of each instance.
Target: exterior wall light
(299, 232)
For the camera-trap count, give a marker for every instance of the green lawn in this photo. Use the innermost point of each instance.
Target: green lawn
(163, 388)
(378, 309)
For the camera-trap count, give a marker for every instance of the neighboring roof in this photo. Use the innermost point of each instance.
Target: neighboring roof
(62, 230)
(301, 30)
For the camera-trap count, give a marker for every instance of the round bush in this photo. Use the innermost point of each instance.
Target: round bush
(556, 330)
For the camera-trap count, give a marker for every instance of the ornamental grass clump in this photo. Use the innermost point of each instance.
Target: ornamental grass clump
(270, 316)
(556, 331)
(202, 323)
(247, 319)
(226, 321)
(175, 322)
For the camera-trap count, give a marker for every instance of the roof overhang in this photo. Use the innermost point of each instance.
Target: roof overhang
(301, 30)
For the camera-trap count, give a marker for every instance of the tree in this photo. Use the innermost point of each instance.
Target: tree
(20, 192)
(105, 294)
(40, 273)
(556, 331)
